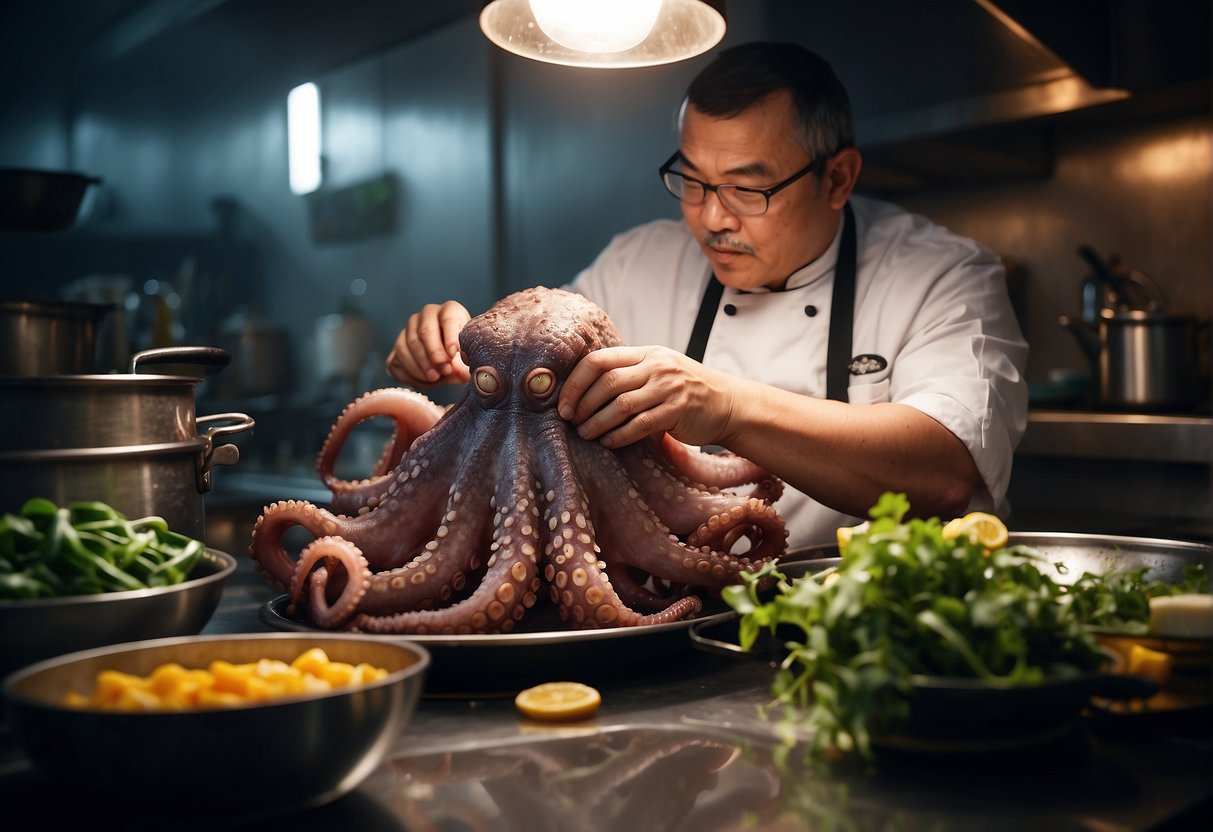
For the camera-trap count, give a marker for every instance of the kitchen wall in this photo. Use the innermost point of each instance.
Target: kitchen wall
(511, 173)
(1142, 192)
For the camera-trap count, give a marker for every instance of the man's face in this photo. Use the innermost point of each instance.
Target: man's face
(755, 149)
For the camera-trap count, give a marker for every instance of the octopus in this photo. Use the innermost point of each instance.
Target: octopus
(478, 513)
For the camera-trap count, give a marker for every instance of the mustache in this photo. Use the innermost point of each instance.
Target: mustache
(721, 239)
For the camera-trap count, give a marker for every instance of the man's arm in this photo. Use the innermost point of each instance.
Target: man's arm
(840, 454)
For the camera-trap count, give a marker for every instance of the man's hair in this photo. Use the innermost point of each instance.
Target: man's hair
(742, 75)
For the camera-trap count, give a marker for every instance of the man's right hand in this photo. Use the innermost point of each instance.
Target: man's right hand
(426, 352)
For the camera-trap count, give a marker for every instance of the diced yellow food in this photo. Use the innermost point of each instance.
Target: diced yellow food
(223, 684)
(559, 701)
(980, 528)
(1153, 665)
(312, 661)
(1182, 616)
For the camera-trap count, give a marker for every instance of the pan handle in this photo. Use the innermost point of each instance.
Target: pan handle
(212, 357)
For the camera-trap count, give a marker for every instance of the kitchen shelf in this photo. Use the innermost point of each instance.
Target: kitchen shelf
(1128, 436)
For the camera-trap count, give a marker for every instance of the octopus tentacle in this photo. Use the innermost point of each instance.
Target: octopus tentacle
(413, 414)
(444, 565)
(575, 571)
(716, 470)
(633, 593)
(332, 551)
(755, 520)
(681, 504)
(512, 577)
(635, 534)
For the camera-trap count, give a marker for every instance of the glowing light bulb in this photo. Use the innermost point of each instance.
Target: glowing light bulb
(596, 26)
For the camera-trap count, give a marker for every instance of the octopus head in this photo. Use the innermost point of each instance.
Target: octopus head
(521, 350)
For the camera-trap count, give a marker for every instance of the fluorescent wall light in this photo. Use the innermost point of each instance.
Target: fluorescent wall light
(303, 137)
(604, 33)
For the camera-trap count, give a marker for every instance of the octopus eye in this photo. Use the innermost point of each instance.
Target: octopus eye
(540, 382)
(486, 381)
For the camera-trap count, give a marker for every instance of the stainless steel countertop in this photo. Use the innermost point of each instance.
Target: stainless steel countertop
(685, 746)
(1107, 435)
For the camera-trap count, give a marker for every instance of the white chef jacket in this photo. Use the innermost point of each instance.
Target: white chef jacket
(932, 304)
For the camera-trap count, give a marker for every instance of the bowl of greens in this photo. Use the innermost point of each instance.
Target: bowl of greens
(909, 635)
(83, 575)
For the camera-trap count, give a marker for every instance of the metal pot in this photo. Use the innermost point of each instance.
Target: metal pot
(131, 441)
(44, 339)
(89, 411)
(261, 357)
(1144, 360)
(167, 479)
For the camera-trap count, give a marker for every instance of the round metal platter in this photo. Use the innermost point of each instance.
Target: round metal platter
(503, 664)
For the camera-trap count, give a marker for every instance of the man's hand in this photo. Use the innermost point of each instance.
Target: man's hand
(426, 351)
(619, 395)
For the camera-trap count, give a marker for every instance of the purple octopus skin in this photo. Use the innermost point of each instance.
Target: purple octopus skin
(477, 513)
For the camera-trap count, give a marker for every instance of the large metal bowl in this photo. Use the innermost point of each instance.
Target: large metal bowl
(39, 629)
(242, 761)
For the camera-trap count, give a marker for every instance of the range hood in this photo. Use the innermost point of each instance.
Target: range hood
(951, 90)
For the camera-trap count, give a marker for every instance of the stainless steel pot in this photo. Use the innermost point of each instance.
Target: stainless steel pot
(89, 411)
(167, 479)
(1145, 360)
(130, 440)
(43, 339)
(261, 357)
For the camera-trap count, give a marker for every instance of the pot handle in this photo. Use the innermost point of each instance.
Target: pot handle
(213, 455)
(212, 357)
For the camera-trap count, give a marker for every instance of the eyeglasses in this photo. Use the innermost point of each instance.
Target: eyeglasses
(750, 202)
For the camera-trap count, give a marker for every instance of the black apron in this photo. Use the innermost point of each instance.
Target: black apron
(842, 314)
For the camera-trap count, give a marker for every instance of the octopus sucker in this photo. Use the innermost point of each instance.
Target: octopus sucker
(479, 512)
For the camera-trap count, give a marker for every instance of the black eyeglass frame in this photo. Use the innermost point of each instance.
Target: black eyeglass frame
(817, 165)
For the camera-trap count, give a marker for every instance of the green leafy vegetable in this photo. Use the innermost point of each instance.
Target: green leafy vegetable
(905, 601)
(88, 548)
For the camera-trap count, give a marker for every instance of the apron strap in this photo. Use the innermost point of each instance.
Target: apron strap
(842, 314)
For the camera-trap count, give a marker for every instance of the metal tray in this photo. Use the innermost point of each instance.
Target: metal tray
(501, 665)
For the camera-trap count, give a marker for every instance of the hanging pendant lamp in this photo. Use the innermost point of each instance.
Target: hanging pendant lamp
(604, 33)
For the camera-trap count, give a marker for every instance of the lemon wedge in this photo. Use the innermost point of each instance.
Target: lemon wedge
(845, 533)
(1152, 664)
(980, 528)
(559, 701)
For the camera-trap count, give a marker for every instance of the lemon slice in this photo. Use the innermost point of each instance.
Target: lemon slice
(845, 533)
(979, 527)
(1153, 665)
(559, 701)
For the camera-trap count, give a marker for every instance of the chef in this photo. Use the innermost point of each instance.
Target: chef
(843, 344)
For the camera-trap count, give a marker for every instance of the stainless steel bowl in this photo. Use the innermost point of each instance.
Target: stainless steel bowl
(39, 629)
(244, 761)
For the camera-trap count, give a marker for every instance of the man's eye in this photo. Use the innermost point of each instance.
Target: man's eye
(747, 197)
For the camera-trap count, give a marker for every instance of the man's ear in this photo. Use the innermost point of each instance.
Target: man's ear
(840, 176)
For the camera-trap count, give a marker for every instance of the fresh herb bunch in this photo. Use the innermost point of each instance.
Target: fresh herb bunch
(88, 548)
(905, 601)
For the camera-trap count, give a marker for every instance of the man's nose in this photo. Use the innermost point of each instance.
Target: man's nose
(715, 215)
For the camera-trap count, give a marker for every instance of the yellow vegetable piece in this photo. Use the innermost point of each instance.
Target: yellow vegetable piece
(171, 687)
(559, 701)
(1153, 665)
(980, 528)
(845, 533)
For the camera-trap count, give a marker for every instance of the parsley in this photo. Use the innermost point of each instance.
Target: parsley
(903, 602)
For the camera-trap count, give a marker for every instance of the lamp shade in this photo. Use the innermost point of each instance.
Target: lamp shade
(604, 33)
